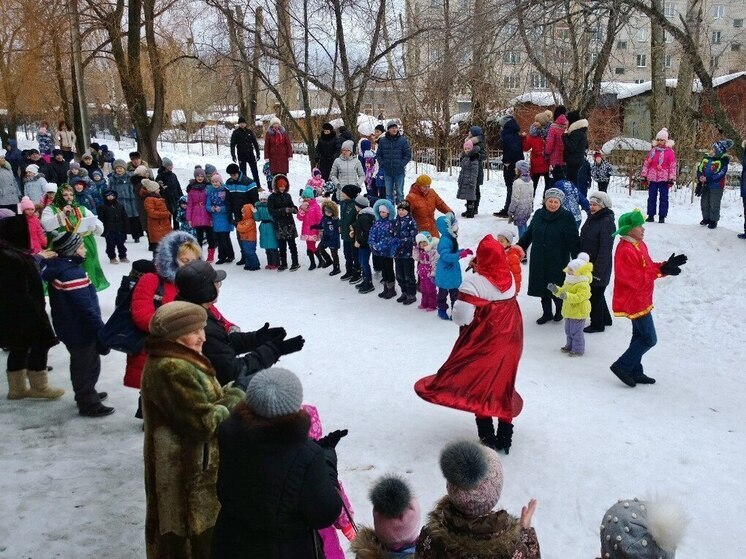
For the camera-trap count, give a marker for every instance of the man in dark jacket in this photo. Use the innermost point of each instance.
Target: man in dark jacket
(171, 188)
(245, 149)
(327, 150)
(235, 355)
(276, 486)
(393, 155)
(510, 136)
(57, 169)
(241, 191)
(342, 136)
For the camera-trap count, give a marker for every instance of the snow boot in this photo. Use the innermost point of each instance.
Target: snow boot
(712, 225)
(402, 297)
(409, 299)
(443, 314)
(486, 432)
(661, 219)
(356, 277)
(324, 259)
(626, 378)
(312, 266)
(17, 386)
(241, 262)
(504, 436)
(558, 311)
(40, 388)
(366, 287)
(469, 210)
(95, 410)
(211, 255)
(704, 222)
(335, 261)
(742, 235)
(389, 290)
(546, 315)
(650, 219)
(346, 276)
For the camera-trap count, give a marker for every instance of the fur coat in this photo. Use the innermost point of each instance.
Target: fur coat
(367, 546)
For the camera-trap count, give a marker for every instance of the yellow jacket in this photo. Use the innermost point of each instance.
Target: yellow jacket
(577, 305)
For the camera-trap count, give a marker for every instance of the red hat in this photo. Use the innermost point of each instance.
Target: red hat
(491, 263)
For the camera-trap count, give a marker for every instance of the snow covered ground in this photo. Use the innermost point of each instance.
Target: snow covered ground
(73, 487)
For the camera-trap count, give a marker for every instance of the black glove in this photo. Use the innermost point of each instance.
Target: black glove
(266, 334)
(285, 347)
(698, 190)
(672, 266)
(101, 349)
(332, 439)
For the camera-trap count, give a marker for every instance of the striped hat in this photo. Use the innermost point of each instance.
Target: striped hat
(66, 243)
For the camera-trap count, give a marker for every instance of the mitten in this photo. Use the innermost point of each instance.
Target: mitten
(285, 347)
(332, 439)
(552, 288)
(465, 252)
(266, 334)
(698, 190)
(562, 295)
(101, 349)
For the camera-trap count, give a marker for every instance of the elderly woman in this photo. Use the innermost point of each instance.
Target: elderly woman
(277, 148)
(597, 241)
(555, 240)
(424, 201)
(183, 404)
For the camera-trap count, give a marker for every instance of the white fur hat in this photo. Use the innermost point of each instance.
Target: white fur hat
(50, 187)
(274, 120)
(32, 169)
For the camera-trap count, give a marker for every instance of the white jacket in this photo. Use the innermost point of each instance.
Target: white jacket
(479, 286)
(66, 138)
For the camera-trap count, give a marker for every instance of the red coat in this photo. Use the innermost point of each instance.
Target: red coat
(555, 146)
(635, 274)
(536, 145)
(278, 149)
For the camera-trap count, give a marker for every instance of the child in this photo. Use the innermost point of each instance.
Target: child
(448, 270)
(75, 171)
(96, 186)
(332, 549)
(217, 206)
(282, 208)
(112, 214)
(316, 182)
(37, 238)
(711, 173)
(197, 215)
(267, 175)
(467, 178)
(50, 190)
(89, 164)
(535, 142)
(107, 158)
(576, 309)
(119, 182)
(369, 166)
(574, 200)
(601, 171)
(404, 233)
(426, 255)
(210, 170)
(181, 217)
(267, 237)
(76, 317)
(309, 214)
(45, 141)
(659, 174)
(382, 244)
(247, 237)
(360, 235)
(82, 196)
(522, 201)
(159, 218)
(347, 215)
(513, 254)
(329, 227)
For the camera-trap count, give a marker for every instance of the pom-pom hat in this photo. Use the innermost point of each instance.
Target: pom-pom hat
(474, 477)
(396, 512)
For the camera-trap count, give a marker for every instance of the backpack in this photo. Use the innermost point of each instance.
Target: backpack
(120, 332)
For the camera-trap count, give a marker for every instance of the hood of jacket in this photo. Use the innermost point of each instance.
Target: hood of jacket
(165, 254)
(389, 206)
(328, 204)
(577, 125)
(561, 121)
(368, 211)
(247, 212)
(476, 131)
(444, 227)
(367, 546)
(512, 126)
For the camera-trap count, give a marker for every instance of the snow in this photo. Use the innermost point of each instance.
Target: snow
(541, 98)
(73, 487)
(625, 143)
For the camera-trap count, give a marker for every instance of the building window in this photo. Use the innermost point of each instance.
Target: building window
(735, 47)
(641, 60)
(738, 23)
(714, 62)
(511, 82)
(668, 61)
(642, 35)
(619, 71)
(621, 45)
(670, 10)
(718, 11)
(596, 34)
(639, 81)
(537, 81)
(716, 37)
(512, 57)
(667, 37)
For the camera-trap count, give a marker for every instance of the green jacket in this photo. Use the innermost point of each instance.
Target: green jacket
(347, 216)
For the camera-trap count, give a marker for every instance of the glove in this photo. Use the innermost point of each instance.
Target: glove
(332, 439)
(101, 349)
(285, 347)
(552, 288)
(698, 190)
(465, 252)
(563, 295)
(266, 334)
(670, 184)
(672, 266)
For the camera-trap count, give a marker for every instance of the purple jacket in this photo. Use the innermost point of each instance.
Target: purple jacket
(196, 212)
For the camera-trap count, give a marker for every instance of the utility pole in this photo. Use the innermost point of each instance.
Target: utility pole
(84, 133)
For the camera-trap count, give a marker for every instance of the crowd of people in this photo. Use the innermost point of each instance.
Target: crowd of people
(223, 426)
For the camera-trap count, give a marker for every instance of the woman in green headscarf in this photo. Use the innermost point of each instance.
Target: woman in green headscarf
(66, 215)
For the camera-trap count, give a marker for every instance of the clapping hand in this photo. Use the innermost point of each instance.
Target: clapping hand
(266, 334)
(672, 266)
(332, 439)
(527, 513)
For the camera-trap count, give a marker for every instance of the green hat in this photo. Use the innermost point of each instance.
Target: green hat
(629, 221)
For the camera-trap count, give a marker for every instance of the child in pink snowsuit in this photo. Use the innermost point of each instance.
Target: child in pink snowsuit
(316, 182)
(332, 549)
(659, 174)
(426, 256)
(309, 212)
(35, 230)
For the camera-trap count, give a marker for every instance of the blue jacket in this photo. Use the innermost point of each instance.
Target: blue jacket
(404, 232)
(713, 169)
(123, 187)
(381, 238)
(221, 219)
(267, 237)
(14, 156)
(76, 315)
(448, 270)
(241, 192)
(329, 227)
(511, 140)
(393, 154)
(574, 199)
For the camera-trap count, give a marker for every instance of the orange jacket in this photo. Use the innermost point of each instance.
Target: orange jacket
(159, 218)
(423, 209)
(514, 255)
(247, 226)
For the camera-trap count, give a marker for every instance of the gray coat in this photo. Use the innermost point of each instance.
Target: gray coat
(346, 170)
(8, 186)
(34, 187)
(468, 177)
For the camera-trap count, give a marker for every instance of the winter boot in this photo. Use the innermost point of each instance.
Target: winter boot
(312, 266)
(712, 225)
(356, 277)
(469, 210)
(558, 312)
(17, 386)
(347, 275)
(335, 261)
(389, 290)
(486, 432)
(650, 219)
(504, 436)
(95, 410)
(211, 255)
(661, 219)
(366, 287)
(546, 315)
(40, 388)
(704, 222)
(409, 299)
(283, 262)
(324, 259)
(443, 314)
(626, 378)
(742, 235)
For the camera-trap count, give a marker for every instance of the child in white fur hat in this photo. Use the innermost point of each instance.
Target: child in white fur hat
(576, 308)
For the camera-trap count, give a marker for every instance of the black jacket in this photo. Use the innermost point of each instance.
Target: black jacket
(327, 148)
(114, 217)
(171, 188)
(278, 205)
(56, 171)
(596, 240)
(91, 168)
(275, 486)
(362, 225)
(242, 142)
(511, 142)
(576, 142)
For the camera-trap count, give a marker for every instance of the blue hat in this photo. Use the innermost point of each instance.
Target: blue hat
(721, 146)
(308, 193)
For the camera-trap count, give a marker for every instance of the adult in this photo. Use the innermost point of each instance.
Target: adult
(555, 146)
(510, 136)
(277, 148)
(183, 405)
(276, 486)
(344, 135)
(119, 181)
(575, 141)
(346, 169)
(535, 143)
(634, 281)
(34, 183)
(14, 156)
(170, 187)
(327, 150)
(596, 240)
(65, 214)
(29, 335)
(32, 157)
(9, 193)
(58, 168)
(463, 524)
(136, 161)
(553, 238)
(241, 191)
(423, 201)
(66, 139)
(155, 289)
(236, 355)
(245, 149)
(393, 155)
(476, 135)
(743, 188)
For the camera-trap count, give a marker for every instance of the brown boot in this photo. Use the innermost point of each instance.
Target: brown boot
(40, 388)
(17, 386)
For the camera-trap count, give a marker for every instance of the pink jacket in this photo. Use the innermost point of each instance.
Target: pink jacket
(660, 164)
(317, 184)
(36, 234)
(310, 216)
(332, 549)
(196, 212)
(555, 147)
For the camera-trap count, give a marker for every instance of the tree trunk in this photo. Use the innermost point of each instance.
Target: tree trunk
(255, 58)
(82, 131)
(235, 59)
(60, 76)
(658, 74)
(286, 81)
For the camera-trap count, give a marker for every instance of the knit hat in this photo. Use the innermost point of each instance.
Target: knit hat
(210, 169)
(721, 146)
(274, 392)
(111, 192)
(141, 171)
(423, 180)
(524, 168)
(662, 135)
(391, 124)
(55, 152)
(423, 237)
(316, 172)
(576, 263)
(351, 190)
(150, 186)
(50, 187)
(27, 204)
(274, 120)
(554, 193)
(362, 202)
(475, 131)
(573, 116)
(166, 162)
(176, 319)
(241, 120)
(233, 169)
(635, 529)
(264, 195)
(558, 110)
(544, 117)
(474, 475)
(348, 145)
(308, 193)
(600, 198)
(380, 128)
(199, 172)
(97, 172)
(508, 234)
(120, 163)
(32, 169)
(196, 281)
(396, 512)
(468, 145)
(87, 156)
(66, 243)
(403, 205)
(216, 175)
(629, 221)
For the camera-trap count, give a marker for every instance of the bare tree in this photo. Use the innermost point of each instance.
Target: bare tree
(657, 72)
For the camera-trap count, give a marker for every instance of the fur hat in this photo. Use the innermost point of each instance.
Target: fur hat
(423, 180)
(166, 162)
(600, 198)
(176, 319)
(508, 234)
(351, 191)
(27, 204)
(199, 172)
(662, 135)
(474, 475)
(524, 168)
(280, 179)
(576, 263)
(32, 169)
(274, 120)
(274, 392)
(348, 145)
(150, 186)
(141, 171)
(635, 529)
(629, 221)
(391, 124)
(721, 146)
(396, 512)
(196, 281)
(544, 117)
(66, 243)
(119, 163)
(554, 193)
(468, 145)
(210, 169)
(362, 202)
(50, 187)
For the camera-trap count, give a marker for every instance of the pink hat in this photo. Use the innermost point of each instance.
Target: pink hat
(27, 204)
(216, 175)
(662, 135)
(396, 512)
(474, 475)
(468, 145)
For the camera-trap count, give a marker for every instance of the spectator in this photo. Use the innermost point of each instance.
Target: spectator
(9, 194)
(743, 189)
(245, 149)
(346, 169)
(512, 153)
(393, 155)
(535, 142)
(601, 171)
(326, 150)
(66, 139)
(170, 187)
(575, 139)
(555, 146)
(277, 148)
(423, 201)
(476, 135)
(57, 170)
(596, 240)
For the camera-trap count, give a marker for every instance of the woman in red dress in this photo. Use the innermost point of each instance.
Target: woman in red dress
(479, 375)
